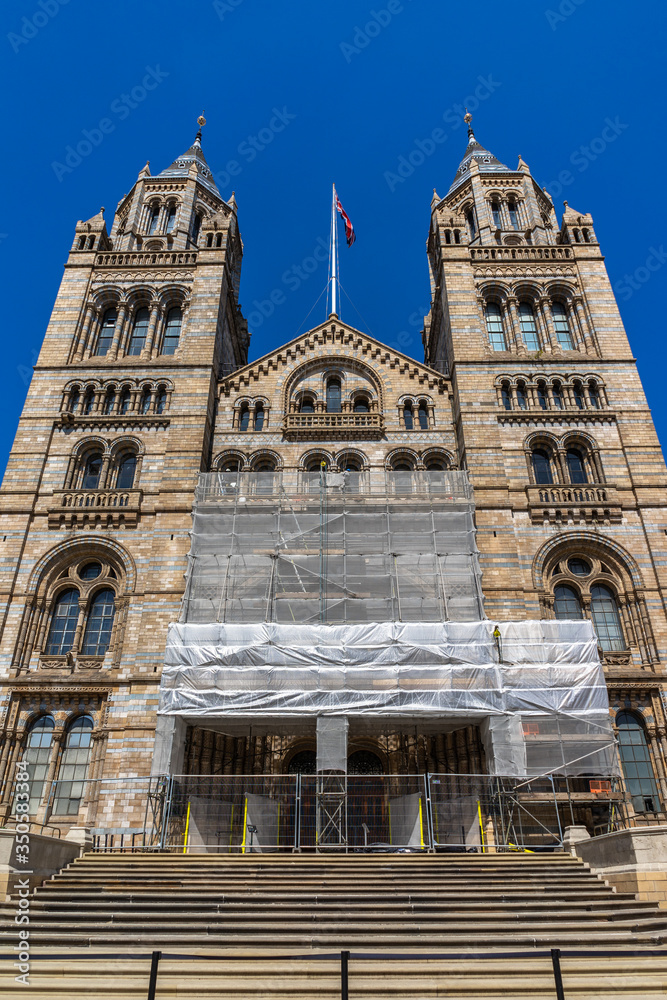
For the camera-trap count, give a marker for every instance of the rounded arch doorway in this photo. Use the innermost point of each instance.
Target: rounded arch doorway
(364, 762)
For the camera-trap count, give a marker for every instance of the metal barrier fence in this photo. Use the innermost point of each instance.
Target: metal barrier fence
(335, 811)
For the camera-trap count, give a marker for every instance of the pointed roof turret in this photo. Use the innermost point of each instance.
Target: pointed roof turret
(486, 161)
(194, 156)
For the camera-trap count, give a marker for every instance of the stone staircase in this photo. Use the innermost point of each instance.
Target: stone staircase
(260, 926)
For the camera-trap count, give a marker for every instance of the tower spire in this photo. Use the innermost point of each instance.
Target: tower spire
(485, 160)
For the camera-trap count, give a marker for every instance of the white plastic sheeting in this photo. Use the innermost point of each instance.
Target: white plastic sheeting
(549, 683)
(300, 547)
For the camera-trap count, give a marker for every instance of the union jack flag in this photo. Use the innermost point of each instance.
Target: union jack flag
(350, 234)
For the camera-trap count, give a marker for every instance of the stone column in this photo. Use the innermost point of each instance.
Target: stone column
(578, 313)
(513, 327)
(85, 332)
(46, 804)
(119, 332)
(653, 741)
(542, 326)
(545, 306)
(104, 472)
(152, 347)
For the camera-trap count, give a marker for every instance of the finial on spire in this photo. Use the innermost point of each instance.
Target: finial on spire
(467, 118)
(201, 121)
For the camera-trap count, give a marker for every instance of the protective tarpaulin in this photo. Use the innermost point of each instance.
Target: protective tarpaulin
(547, 693)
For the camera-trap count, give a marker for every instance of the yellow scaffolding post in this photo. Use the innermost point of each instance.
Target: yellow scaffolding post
(187, 831)
(481, 825)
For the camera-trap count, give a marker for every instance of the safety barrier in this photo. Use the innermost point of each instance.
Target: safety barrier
(335, 811)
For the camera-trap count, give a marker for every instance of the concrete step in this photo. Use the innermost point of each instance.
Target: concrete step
(256, 975)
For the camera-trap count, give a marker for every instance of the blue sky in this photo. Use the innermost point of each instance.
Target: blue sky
(356, 86)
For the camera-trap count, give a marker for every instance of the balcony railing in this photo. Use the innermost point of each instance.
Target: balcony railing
(110, 507)
(520, 253)
(327, 426)
(588, 502)
(146, 259)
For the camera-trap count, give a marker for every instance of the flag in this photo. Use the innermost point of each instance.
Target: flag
(350, 235)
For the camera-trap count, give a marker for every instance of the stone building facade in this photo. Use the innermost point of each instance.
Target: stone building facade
(143, 383)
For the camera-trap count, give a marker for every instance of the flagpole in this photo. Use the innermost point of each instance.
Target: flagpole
(333, 265)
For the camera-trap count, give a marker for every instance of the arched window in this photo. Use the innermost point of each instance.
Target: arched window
(171, 217)
(139, 331)
(333, 395)
(494, 326)
(196, 226)
(562, 326)
(566, 603)
(472, 225)
(37, 754)
(303, 762)
(364, 762)
(63, 623)
(361, 404)
(514, 214)
(172, 331)
(125, 400)
(73, 769)
(100, 622)
(542, 397)
(110, 401)
(74, 398)
(495, 211)
(89, 401)
(107, 328)
(542, 467)
(587, 236)
(576, 467)
(307, 405)
(506, 395)
(423, 417)
(528, 326)
(244, 418)
(161, 399)
(435, 464)
(145, 402)
(265, 476)
(521, 395)
(604, 612)
(578, 395)
(259, 416)
(231, 464)
(636, 761)
(154, 218)
(92, 471)
(127, 468)
(557, 393)
(408, 419)
(594, 393)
